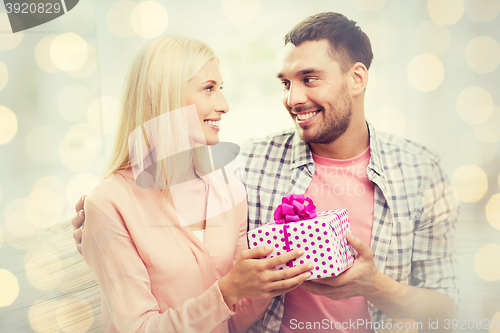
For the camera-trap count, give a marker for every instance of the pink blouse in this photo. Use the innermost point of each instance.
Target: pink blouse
(156, 276)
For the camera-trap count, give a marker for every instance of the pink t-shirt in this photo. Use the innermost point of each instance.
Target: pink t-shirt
(335, 184)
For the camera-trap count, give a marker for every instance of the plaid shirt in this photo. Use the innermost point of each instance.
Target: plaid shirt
(415, 209)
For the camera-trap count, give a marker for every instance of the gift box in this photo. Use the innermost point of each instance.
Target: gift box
(321, 235)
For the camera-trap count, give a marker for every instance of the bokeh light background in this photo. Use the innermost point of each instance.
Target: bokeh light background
(435, 79)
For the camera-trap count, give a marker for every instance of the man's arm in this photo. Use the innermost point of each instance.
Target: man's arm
(434, 291)
(395, 299)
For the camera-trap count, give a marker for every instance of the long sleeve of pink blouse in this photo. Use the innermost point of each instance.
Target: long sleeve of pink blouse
(154, 275)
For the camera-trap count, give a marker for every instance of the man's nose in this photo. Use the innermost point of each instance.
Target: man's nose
(296, 96)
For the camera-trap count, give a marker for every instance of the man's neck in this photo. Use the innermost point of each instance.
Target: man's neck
(352, 143)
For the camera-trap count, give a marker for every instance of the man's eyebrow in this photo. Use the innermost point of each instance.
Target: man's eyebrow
(304, 71)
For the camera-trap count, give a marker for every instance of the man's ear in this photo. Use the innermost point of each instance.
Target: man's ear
(358, 78)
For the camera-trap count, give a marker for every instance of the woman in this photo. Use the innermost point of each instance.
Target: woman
(143, 234)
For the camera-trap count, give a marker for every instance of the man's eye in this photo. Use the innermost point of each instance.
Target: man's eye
(285, 84)
(310, 79)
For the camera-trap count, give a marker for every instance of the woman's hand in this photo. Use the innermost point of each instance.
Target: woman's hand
(254, 277)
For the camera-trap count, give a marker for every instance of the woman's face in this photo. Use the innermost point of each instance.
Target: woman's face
(204, 91)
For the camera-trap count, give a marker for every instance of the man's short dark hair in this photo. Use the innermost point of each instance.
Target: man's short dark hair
(349, 44)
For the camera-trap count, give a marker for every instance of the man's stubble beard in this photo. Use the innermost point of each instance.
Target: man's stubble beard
(334, 124)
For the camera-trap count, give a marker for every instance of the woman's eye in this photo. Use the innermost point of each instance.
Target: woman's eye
(209, 88)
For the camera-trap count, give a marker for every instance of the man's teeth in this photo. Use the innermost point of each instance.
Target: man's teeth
(213, 123)
(305, 116)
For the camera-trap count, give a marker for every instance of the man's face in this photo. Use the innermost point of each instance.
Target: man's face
(315, 92)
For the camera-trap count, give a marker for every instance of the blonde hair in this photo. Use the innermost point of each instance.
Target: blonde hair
(154, 85)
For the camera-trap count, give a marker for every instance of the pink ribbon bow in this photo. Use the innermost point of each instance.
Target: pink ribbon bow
(293, 208)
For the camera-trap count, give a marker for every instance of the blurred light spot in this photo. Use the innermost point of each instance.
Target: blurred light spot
(110, 85)
(53, 184)
(40, 143)
(118, 18)
(9, 288)
(4, 75)
(470, 182)
(8, 40)
(75, 315)
(8, 124)
(42, 53)
(68, 51)
(81, 21)
(21, 224)
(493, 211)
(88, 67)
(445, 11)
(383, 38)
(17, 220)
(80, 147)
(475, 151)
(80, 185)
(482, 54)
(425, 72)
(73, 102)
(102, 114)
(482, 10)
(149, 19)
(42, 316)
(44, 207)
(431, 37)
(489, 131)
(44, 268)
(474, 105)
(487, 262)
(390, 120)
(241, 11)
(368, 5)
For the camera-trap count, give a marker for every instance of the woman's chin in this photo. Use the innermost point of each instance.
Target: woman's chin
(212, 142)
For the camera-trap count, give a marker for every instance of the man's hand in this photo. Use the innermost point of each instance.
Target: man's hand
(397, 300)
(77, 222)
(358, 280)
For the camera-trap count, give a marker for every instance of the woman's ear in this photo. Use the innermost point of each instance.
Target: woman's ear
(359, 78)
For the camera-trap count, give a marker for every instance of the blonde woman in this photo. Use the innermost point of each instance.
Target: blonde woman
(173, 257)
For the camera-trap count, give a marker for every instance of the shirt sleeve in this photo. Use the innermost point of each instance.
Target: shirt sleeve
(434, 265)
(248, 310)
(124, 283)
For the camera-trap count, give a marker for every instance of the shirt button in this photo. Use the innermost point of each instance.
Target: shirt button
(273, 322)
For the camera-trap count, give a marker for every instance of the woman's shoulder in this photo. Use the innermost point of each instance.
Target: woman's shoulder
(115, 188)
(237, 188)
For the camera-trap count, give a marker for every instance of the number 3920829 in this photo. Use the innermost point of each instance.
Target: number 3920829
(40, 8)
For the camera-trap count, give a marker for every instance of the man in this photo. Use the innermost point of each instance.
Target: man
(395, 192)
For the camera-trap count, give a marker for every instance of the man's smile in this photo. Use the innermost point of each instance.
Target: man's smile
(306, 118)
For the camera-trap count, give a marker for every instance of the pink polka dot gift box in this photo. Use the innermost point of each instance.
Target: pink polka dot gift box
(321, 235)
